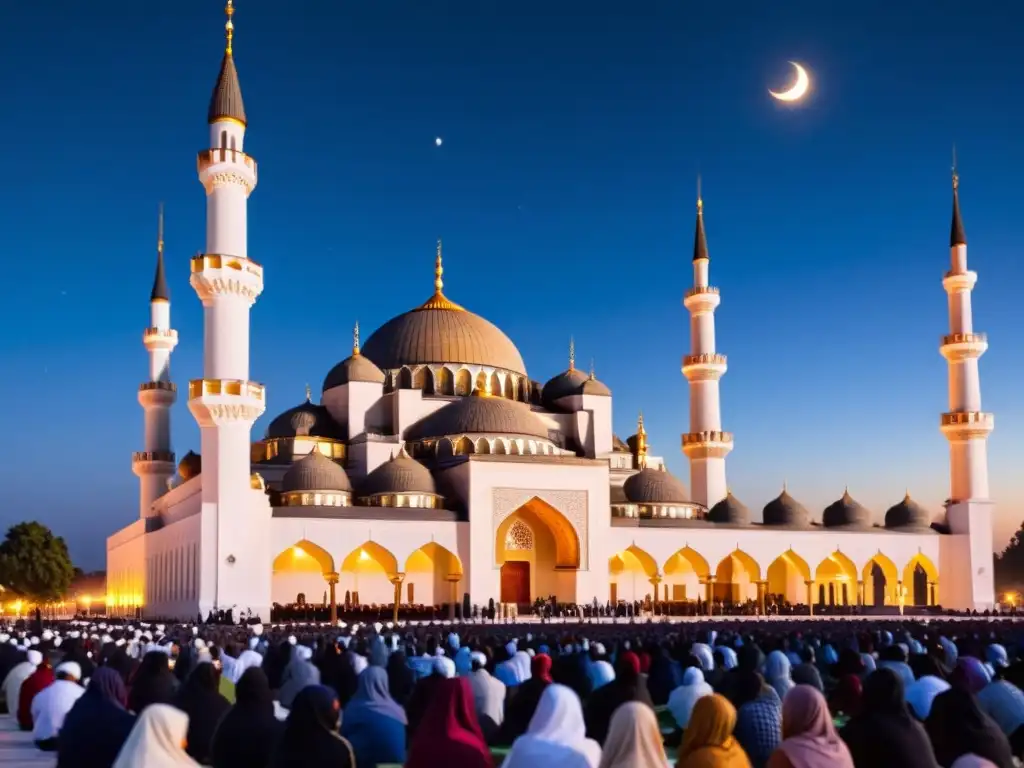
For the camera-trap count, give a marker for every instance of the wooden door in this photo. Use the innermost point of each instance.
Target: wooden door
(515, 583)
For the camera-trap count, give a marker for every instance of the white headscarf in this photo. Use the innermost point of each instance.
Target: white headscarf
(246, 660)
(601, 673)
(683, 699)
(156, 739)
(557, 734)
(522, 664)
(777, 673)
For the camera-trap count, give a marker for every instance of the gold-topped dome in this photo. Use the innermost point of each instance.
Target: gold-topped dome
(191, 465)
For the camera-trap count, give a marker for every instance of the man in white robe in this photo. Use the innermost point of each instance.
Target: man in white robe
(52, 704)
(18, 675)
(488, 696)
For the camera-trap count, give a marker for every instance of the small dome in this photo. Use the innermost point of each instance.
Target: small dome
(655, 486)
(315, 472)
(563, 385)
(191, 465)
(618, 446)
(400, 474)
(846, 512)
(618, 495)
(307, 419)
(785, 510)
(479, 414)
(358, 367)
(594, 387)
(729, 510)
(908, 514)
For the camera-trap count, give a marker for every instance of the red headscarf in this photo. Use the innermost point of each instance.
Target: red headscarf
(645, 662)
(449, 733)
(632, 660)
(34, 683)
(540, 667)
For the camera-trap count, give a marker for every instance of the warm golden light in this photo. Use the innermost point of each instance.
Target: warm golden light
(17, 606)
(1012, 598)
(798, 89)
(363, 555)
(87, 600)
(298, 552)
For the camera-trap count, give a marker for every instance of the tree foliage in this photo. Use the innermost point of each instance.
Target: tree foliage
(1009, 566)
(34, 563)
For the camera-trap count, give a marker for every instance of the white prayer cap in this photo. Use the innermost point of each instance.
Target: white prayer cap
(304, 652)
(35, 658)
(106, 639)
(129, 627)
(377, 627)
(510, 648)
(292, 640)
(199, 643)
(599, 648)
(444, 666)
(119, 642)
(159, 627)
(47, 634)
(56, 642)
(94, 637)
(359, 663)
(103, 626)
(389, 625)
(74, 634)
(257, 629)
(253, 642)
(195, 630)
(69, 668)
(530, 652)
(144, 625)
(478, 658)
(34, 641)
(4, 637)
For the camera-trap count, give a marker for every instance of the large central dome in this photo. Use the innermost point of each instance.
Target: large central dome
(441, 332)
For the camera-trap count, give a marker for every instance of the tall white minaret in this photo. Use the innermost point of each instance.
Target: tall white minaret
(706, 445)
(155, 465)
(234, 570)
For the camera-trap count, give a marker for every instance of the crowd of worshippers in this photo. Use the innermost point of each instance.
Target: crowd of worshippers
(771, 694)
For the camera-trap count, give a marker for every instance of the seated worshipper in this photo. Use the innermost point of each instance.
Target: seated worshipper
(19, 674)
(885, 734)
(373, 722)
(232, 673)
(488, 697)
(52, 704)
(152, 683)
(922, 692)
(311, 737)
(805, 673)
(442, 668)
(510, 671)
(449, 734)
(627, 686)
(777, 673)
(249, 732)
(300, 673)
(571, 669)
(157, 740)
(809, 740)
(400, 678)
(663, 677)
(708, 741)
(556, 735)
(200, 699)
(683, 699)
(758, 717)
(846, 698)
(634, 739)
(41, 678)
(957, 726)
(276, 661)
(98, 724)
(521, 706)
(1004, 702)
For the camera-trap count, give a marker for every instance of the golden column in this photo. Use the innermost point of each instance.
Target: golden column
(332, 582)
(711, 595)
(810, 596)
(762, 589)
(453, 598)
(655, 581)
(397, 580)
(860, 593)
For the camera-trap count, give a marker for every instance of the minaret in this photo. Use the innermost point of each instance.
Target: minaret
(155, 465)
(705, 445)
(225, 402)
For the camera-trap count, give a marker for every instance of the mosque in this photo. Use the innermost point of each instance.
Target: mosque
(434, 466)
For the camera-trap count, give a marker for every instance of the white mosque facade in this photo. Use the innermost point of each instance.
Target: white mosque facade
(434, 466)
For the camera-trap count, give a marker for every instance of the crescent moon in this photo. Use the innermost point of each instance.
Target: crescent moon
(798, 89)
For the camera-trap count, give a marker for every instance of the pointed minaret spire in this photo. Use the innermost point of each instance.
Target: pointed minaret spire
(957, 236)
(355, 340)
(439, 300)
(641, 442)
(226, 101)
(700, 240)
(572, 354)
(160, 291)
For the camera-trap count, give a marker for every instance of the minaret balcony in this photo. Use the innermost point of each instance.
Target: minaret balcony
(157, 393)
(223, 401)
(701, 298)
(160, 338)
(704, 367)
(153, 463)
(709, 444)
(967, 425)
(215, 274)
(217, 165)
(954, 282)
(963, 346)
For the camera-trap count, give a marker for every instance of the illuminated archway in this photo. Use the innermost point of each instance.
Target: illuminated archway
(736, 578)
(548, 566)
(921, 579)
(835, 581)
(428, 574)
(881, 580)
(630, 572)
(788, 575)
(684, 571)
(366, 573)
(300, 569)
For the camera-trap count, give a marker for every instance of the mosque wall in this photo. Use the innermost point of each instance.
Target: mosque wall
(172, 575)
(967, 555)
(126, 575)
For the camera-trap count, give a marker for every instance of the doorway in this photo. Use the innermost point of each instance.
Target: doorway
(515, 583)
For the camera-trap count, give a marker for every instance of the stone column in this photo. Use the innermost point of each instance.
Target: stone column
(453, 598)
(655, 581)
(332, 582)
(860, 593)
(397, 580)
(810, 596)
(762, 589)
(711, 595)
(931, 593)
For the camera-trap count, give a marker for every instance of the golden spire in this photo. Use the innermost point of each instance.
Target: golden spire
(160, 232)
(439, 300)
(592, 377)
(438, 270)
(229, 28)
(355, 339)
(572, 354)
(700, 199)
(641, 443)
(956, 176)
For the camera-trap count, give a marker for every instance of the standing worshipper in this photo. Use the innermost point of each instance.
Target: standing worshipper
(520, 708)
(249, 732)
(41, 678)
(98, 724)
(557, 735)
(200, 699)
(708, 741)
(300, 673)
(885, 734)
(809, 740)
(488, 697)
(634, 740)
(52, 704)
(373, 722)
(153, 682)
(758, 717)
(627, 686)
(311, 738)
(157, 740)
(19, 673)
(957, 726)
(449, 734)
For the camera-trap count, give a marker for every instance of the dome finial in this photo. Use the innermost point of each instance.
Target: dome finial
(572, 354)
(309, 394)
(700, 199)
(355, 339)
(641, 442)
(160, 291)
(439, 300)
(229, 27)
(438, 270)
(592, 377)
(785, 486)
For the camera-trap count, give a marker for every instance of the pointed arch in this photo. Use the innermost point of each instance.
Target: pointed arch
(499, 447)
(510, 390)
(836, 580)
(687, 559)
(463, 446)
(442, 558)
(304, 555)
(788, 575)
(482, 446)
(463, 382)
(495, 388)
(922, 590)
(647, 564)
(736, 577)
(370, 551)
(538, 515)
(300, 569)
(881, 580)
(405, 379)
(481, 381)
(419, 379)
(444, 382)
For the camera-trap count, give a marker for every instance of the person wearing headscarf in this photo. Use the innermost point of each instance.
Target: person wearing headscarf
(684, 698)
(758, 717)
(510, 671)
(922, 692)
(249, 732)
(556, 735)
(663, 677)
(971, 674)
(957, 726)
(708, 741)
(185, 663)
(52, 704)
(634, 739)
(1004, 702)
(98, 724)
(520, 708)
(373, 722)
(157, 740)
(18, 674)
(809, 740)
(627, 686)
(400, 678)
(300, 673)
(232, 673)
(41, 678)
(449, 734)
(488, 697)
(847, 697)
(153, 683)
(311, 738)
(806, 673)
(600, 674)
(777, 673)
(200, 699)
(275, 663)
(885, 734)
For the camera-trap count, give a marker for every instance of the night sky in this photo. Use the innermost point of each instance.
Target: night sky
(564, 191)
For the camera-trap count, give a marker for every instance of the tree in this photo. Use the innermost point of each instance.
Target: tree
(1009, 565)
(35, 563)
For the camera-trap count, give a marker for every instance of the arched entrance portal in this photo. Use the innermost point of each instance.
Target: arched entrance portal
(430, 573)
(787, 579)
(881, 580)
(631, 571)
(538, 553)
(921, 577)
(736, 578)
(836, 578)
(301, 570)
(365, 575)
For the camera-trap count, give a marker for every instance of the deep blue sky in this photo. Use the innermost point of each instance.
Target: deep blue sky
(564, 191)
